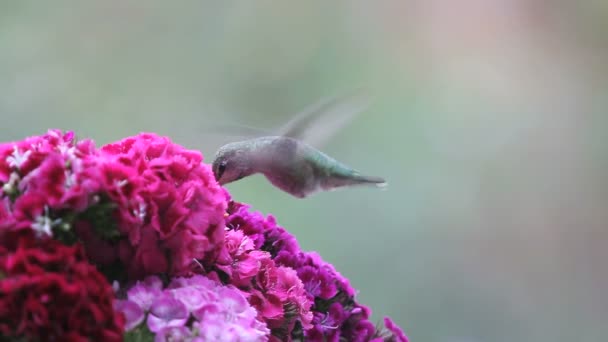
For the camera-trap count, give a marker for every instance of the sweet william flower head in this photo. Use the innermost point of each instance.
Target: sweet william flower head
(177, 202)
(149, 207)
(49, 291)
(37, 179)
(157, 197)
(335, 313)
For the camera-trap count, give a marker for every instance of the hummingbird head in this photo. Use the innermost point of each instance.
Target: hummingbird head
(231, 164)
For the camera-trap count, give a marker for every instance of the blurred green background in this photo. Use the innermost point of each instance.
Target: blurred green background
(489, 122)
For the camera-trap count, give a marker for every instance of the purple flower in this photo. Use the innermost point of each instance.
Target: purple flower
(327, 325)
(173, 334)
(192, 308)
(134, 314)
(265, 232)
(233, 302)
(196, 281)
(362, 331)
(397, 333)
(336, 314)
(166, 312)
(143, 293)
(192, 297)
(318, 282)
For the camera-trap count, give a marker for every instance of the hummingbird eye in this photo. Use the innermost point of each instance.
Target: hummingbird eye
(220, 169)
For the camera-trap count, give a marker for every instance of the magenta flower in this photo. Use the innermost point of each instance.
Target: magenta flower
(395, 330)
(336, 315)
(170, 203)
(327, 325)
(155, 202)
(37, 178)
(318, 282)
(238, 259)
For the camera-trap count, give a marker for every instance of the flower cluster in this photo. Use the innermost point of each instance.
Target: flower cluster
(275, 291)
(49, 291)
(336, 314)
(194, 309)
(171, 204)
(188, 263)
(143, 201)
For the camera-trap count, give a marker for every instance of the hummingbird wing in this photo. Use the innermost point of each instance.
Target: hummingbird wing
(313, 125)
(239, 130)
(321, 120)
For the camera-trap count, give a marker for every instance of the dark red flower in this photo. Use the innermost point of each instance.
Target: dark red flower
(49, 292)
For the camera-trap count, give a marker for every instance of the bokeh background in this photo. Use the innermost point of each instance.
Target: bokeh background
(489, 121)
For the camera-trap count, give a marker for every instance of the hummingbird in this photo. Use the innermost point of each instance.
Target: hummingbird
(287, 159)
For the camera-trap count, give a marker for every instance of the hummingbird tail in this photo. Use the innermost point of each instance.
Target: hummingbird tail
(378, 182)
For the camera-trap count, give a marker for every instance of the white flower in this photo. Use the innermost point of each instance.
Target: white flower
(43, 224)
(10, 187)
(16, 159)
(140, 213)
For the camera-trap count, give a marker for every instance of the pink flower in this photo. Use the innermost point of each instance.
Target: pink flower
(282, 289)
(35, 177)
(179, 204)
(143, 293)
(134, 314)
(195, 308)
(336, 314)
(166, 312)
(156, 202)
(238, 259)
(48, 179)
(173, 334)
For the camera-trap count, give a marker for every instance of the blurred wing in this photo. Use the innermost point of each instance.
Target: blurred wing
(320, 121)
(215, 135)
(238, 130)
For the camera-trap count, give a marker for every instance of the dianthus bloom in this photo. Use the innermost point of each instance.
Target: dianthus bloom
(186, 262)
(275, 291)
(49, 291)
(191, 309)
(336, 314)
(143, 201)
(170, 204)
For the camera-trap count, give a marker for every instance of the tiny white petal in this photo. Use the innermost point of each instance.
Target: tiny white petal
(16, 159)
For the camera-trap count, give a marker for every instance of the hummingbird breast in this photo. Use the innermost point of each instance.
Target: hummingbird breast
(286, 163)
